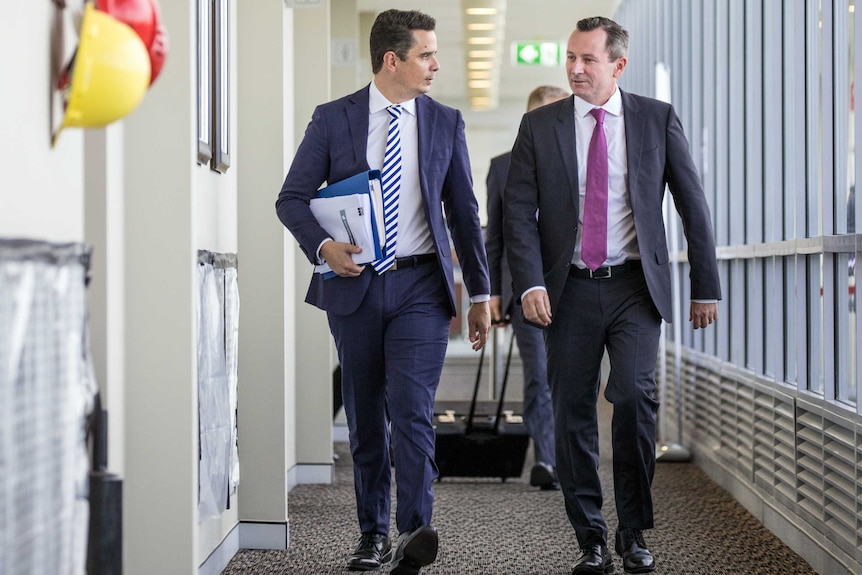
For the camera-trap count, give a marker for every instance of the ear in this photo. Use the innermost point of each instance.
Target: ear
(390, 60)
(620, 66)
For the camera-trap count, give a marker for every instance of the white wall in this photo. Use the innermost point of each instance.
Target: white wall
(41, 194)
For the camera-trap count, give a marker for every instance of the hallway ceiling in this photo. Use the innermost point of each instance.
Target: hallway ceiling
(525, 20)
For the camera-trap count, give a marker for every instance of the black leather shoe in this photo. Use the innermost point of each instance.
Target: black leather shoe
(594, 559)
(415, 550)
(636, 557)
(372, 551)
(543, 476)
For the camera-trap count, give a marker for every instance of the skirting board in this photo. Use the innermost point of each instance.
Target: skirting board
(321, 474)
(339, 432)
(246, 535)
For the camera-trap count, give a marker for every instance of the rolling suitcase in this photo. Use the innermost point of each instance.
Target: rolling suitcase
(482, 442)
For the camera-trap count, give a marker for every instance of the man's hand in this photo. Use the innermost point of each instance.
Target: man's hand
(702, 314)
(537, 307)
(479, 323)
(337, 255)
(497, 318)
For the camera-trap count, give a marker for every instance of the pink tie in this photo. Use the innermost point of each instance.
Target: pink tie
(594, 244)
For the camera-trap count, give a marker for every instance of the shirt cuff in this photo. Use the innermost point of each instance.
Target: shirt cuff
(480, 298)
(534, 288)
(704, 301)
(320, 260)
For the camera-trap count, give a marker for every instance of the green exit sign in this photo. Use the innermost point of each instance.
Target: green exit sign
(537, 53)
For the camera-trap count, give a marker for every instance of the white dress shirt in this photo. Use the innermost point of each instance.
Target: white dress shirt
(414, 235)
(622, 238)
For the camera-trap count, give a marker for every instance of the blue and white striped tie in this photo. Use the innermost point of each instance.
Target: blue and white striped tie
(391, 188)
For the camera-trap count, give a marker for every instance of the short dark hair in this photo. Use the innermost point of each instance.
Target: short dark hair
(393, 30)
(618, 39)
(539, 95)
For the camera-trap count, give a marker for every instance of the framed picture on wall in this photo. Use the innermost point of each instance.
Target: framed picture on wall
(221, 86)
(205, 84)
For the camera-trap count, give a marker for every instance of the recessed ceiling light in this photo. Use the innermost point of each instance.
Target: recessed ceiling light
(481, 11)
(481, 26)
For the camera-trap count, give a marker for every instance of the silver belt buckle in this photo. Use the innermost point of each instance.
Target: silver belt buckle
(601, 273)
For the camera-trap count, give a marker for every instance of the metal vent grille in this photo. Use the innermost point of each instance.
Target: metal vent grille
(785, 453)
(841, 503)
(736, 423)
(809, 465)
(773, 460)
(795, 452)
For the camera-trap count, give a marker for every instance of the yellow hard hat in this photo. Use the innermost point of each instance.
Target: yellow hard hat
(110, 73)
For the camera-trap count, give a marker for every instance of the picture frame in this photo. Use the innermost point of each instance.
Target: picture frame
(205, 82)
(221, 86)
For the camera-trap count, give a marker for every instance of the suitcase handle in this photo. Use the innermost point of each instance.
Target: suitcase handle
(502, 388)
(475, 391)
(505, 383)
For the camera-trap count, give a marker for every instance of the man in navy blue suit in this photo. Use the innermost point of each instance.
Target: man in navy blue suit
(538, 414)
(586, 243)
(391, 324)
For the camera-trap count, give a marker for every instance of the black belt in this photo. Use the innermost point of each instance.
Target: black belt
(413, 261)
(607, 271)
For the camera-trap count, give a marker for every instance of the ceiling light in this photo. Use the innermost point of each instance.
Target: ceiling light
(484, 24)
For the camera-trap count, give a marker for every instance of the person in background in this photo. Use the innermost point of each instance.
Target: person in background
(538, 414)
(593, 270)
(390, 319)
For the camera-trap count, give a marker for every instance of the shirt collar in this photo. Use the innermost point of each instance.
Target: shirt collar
(614, 105)
(377, 101)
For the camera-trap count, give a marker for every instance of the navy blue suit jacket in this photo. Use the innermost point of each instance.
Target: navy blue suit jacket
(544, 176)
(334, 148)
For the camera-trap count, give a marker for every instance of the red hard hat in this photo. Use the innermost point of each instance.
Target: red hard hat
(144, 18)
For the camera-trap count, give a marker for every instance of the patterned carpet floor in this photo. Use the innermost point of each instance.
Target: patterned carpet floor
(489, 527)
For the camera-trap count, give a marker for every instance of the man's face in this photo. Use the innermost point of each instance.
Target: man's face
(591, 72)
(416, 73)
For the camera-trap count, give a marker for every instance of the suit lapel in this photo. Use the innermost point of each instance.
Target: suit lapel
(425, 123)
(565, 131)
(357, 119)
(634, 142)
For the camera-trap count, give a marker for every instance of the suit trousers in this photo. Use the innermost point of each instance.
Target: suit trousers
(391, 352)
(616, 313)
(538, 410)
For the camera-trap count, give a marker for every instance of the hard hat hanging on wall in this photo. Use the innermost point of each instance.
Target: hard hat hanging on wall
(144, 18)
(121, 50)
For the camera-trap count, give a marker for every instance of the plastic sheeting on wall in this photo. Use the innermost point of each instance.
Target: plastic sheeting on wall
(46, 392)
(218, 322)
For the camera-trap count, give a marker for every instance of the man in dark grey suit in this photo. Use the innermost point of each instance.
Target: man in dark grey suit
(599, 279)
(391, 320)
(538, 414)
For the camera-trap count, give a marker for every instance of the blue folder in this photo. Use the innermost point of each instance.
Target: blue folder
(363, 183)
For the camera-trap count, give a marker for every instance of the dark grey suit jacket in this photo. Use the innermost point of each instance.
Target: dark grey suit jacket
(334, 148)
(498, 264)
(544, 176)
